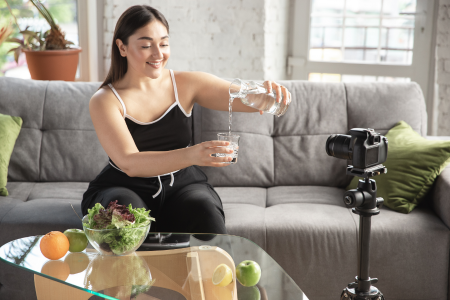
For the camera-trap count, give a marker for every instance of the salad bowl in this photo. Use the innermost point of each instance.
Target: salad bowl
(118, 241)
(116, 229)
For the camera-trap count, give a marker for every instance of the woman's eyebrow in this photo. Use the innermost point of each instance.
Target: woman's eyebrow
(151, 39)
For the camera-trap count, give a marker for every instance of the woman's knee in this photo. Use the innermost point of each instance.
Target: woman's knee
(124, 196)
(196, 209)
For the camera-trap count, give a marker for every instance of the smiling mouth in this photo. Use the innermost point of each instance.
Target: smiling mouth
(157, 64)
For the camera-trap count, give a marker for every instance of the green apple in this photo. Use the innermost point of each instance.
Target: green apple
(248, 293)
(77, 239)
(248, 273)
(78, 262)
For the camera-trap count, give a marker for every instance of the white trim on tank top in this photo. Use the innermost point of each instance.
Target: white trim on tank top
(177, 102)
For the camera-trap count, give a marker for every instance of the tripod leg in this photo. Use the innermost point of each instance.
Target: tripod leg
(364, 282)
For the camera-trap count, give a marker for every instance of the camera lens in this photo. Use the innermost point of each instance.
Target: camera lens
(338, 146)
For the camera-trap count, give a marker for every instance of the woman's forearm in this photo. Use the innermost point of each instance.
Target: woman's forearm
(154, 163)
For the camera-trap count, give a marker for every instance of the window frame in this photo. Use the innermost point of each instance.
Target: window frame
(90, 36)
(421, 70)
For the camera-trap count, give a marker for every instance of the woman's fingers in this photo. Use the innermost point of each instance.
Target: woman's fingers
(268, 85)
(224, 150)
(210, 144)
(286, 95)
(214, 147)
(277, 87)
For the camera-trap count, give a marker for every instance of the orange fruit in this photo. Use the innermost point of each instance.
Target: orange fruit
(56, 269)
(54, 245)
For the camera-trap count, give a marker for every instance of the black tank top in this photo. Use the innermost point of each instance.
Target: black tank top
(173, 130)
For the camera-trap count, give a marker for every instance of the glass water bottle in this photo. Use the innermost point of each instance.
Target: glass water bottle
(255, 95)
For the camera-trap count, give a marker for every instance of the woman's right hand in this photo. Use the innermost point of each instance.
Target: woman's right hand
(200, 154)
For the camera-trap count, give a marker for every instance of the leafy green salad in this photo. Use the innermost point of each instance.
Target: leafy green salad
(117, 216)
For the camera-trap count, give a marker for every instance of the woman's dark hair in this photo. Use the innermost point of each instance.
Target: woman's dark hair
(132, 19)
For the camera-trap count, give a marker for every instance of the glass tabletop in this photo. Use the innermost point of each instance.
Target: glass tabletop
(166, 266)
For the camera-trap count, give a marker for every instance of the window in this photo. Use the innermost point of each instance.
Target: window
(373, 31)
(325, 77)
(63, 11)
(376, 40)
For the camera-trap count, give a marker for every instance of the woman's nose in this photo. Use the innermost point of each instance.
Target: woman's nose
(157, 53)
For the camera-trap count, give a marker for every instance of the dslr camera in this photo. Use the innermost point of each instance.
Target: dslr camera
(365, 149)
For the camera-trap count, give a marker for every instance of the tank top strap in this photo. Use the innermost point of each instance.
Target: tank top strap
(120, 99)
(174, 83)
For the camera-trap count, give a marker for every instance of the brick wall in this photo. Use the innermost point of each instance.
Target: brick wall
(443, 68)
(276, 34)
(232, 38)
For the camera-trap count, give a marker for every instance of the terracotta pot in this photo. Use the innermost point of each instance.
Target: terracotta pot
(53, 64)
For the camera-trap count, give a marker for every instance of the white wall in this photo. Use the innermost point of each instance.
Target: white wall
(228, 38)
(443, 68)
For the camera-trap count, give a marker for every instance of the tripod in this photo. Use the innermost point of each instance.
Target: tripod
(364, 202)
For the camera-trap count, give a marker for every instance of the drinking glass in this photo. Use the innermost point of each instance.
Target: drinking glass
(234, 145)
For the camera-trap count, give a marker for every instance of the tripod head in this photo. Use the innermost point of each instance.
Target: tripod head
(363, 199)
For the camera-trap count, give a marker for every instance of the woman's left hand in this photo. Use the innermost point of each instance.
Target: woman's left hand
(279, 90)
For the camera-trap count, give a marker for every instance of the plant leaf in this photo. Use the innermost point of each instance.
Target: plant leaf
(45, 13)
(13, 49)
(29, 32)
(14, 40)
(17, 54)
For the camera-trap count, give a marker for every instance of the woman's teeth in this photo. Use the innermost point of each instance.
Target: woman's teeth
(154, 64)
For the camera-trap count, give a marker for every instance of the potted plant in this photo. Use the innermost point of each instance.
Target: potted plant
(49, 55)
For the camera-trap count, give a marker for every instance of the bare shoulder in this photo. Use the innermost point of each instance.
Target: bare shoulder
(104, 99)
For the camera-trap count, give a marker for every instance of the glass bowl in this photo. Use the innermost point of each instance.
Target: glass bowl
(121, 241)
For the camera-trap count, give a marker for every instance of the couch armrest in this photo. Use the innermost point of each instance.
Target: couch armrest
(441, 196)
(437, 138)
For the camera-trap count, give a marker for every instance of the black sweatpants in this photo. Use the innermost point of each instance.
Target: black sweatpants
(190, 205)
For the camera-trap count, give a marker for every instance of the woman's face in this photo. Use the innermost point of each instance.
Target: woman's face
(148, 49)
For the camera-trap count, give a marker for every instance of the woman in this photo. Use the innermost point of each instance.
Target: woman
(142, 117)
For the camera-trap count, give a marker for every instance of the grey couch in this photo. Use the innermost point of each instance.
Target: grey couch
(285, 193)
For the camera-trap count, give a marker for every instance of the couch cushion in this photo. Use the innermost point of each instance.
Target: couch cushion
(304, 194)
(71, 155)
(58, 190)
(26, 191)
(381, 105)
(24, 164)
(255, 163)
(57, 134)
(20, 190)
(240, 195)
(308, 229)
(244, 212)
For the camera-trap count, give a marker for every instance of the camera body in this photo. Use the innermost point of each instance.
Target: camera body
(365, 148)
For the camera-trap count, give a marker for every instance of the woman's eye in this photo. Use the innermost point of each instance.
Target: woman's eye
(165, 45)
(145, 47)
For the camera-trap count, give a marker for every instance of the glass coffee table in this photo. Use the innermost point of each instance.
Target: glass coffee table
(178, 266)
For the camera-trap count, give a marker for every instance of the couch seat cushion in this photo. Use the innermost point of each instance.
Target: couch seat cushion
(244, 212)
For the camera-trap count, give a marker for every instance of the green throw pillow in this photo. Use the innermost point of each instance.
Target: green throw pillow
(9, 131)
(413, 163)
